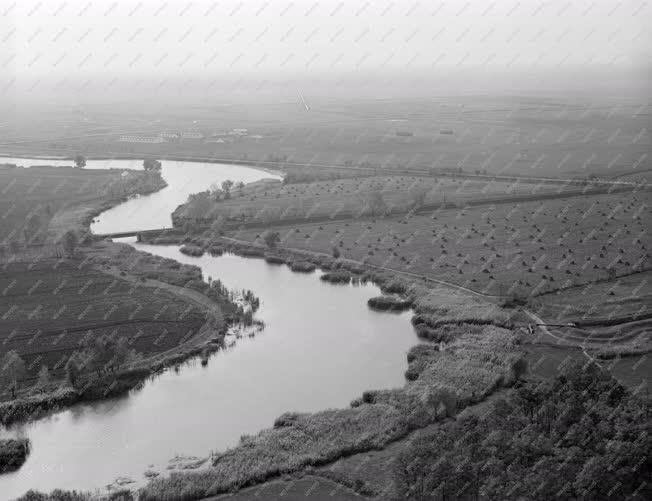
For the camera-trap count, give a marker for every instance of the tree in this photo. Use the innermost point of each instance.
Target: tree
(419, 197)
(70, 241)
(217, 227)
(226, 188)
(375, 204)
(43, 377)
(12, 370)
(152, 165)
(271, 238)
(73, 370)
(336, 252)
(121, 352)
(198, 207)
(14, 247)
(519, 368)
(80, 161)
(580, 435)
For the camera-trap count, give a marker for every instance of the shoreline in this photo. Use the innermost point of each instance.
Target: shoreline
(170, 158)
(277, 170)
(29, 407)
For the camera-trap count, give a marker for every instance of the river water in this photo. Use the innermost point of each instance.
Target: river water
(321, 347)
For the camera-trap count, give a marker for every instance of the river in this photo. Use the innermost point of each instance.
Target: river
(321, 347)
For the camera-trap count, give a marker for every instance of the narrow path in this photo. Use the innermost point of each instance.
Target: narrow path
(383, 268)
(542, 326)
(190, 295)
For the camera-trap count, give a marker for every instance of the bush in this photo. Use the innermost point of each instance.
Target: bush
(303, 266)
(389, 303)
(394, 287)
(272, 259)
(56, 495)
(191, 250)
(13, 453)
(336, 277)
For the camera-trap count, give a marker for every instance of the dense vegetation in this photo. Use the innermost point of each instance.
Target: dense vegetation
(578, 436)
(391, 303)
(13, 453)
(475, 365)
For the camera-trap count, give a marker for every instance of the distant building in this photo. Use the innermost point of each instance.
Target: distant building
(192, 135)
(238, 132)
(170, 135)
(141, 139)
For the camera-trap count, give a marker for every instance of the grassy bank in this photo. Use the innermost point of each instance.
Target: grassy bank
(473, 366)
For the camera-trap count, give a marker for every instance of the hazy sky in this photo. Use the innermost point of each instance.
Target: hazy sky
(215, 40)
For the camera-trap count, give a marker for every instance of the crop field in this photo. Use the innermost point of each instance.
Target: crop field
(40, 192)
(629, 296)
(532, 247)
(49, 307)
(537, 137)
(367, 195)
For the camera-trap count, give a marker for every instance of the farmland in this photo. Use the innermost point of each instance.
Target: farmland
(57, 301)
(562, 254)
(49, 309)
(352, 197)
(31, 198)
(502, 134)
(41, 192)
(534, 247)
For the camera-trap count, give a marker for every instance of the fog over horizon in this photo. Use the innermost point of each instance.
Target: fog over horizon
(233, 51)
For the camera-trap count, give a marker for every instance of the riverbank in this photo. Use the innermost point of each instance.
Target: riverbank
(439, 382)
(111, 287)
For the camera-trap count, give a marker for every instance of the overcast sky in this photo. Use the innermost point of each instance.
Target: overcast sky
(267, 39)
